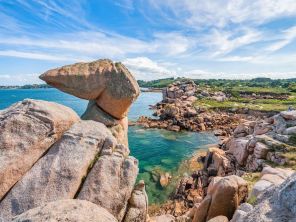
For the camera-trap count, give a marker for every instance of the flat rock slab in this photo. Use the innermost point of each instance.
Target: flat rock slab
(110, 84)
(111, 180)
(289, 115)
(59, 173)
(27, 130)
(67, 211)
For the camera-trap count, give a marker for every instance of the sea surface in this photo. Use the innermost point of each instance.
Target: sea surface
(157, 150)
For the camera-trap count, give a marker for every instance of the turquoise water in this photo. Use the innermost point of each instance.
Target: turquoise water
(157, 150)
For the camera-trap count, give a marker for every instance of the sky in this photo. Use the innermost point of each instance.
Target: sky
(202, 39)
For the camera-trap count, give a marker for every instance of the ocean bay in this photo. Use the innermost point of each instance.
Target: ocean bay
(157, 150)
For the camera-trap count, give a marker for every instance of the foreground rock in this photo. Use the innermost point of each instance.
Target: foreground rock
(59, 173)
(110, 84)
(137, 204)
(111, 180)
(223, 197)
(270, 177)
(27, 130)
(66, 210)
(277, 203)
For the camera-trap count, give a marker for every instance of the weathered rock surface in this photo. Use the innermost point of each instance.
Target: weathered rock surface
(111, 180)
(110, 84)
(223, 198)
(137, 205)
(238, 147)
(59, 173)
(219, 219)
(270, 177)
(241, 212)
(277, 203)
(119, 128)
(163, 218)
(289, 115)
(66, 211)
(27, 130)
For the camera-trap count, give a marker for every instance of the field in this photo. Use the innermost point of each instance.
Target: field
(260, 94)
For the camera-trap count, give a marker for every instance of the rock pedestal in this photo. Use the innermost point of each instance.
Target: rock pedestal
(109, 86)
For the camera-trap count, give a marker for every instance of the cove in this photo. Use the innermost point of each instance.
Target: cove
(157, 150)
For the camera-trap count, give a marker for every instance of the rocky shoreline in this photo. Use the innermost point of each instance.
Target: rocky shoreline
(57, 166)
(249, 144)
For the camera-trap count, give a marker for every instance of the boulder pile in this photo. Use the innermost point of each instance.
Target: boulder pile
(58, 167)
(269, 140)
(177, 112)
(253, 146)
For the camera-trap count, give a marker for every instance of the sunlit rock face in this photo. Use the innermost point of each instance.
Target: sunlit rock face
(27, 129)
(110, 84)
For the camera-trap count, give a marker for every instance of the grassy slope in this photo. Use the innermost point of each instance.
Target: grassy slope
(253, 104)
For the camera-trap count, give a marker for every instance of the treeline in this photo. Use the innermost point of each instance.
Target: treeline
(289, 84)
(31, 86)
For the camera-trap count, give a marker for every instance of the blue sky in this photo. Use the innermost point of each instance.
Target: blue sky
(154, 39)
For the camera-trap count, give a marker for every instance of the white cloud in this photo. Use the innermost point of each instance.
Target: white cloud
(38, 56)
(201, 14)
(285, 38)
(222, 42)
(145, 69)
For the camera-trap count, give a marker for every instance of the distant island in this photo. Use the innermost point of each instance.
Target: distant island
(158, 84)
(30, 86)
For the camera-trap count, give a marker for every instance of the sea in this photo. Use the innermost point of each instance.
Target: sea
(157, 150)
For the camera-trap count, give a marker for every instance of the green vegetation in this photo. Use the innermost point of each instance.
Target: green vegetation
(260, 94)
(159, 83)
(252, 85)
(32, 86)
(253, 104)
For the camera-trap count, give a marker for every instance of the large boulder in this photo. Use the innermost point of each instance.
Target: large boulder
(110, 84)
(27, 130)
(111, 180)
(277, 203)
(239, 148)
(59, 173)
(270, 177)
(66, 211)
(216, 162)
(223, 198)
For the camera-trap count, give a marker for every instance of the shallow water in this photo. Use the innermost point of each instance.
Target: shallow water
(157, 150)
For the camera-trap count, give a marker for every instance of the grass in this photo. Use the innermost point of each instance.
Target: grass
(251, 179)
(270, 90)
(253, 104)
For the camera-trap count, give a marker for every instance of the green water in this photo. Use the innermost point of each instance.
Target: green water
(163, 151)
(156, 150)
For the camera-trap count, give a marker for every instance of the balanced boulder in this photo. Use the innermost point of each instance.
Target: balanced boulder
(110, 84)
(27, 129)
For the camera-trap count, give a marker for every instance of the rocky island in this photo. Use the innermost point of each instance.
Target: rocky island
(57, 166)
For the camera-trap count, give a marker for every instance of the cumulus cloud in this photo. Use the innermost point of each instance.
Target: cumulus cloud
(146, 69)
